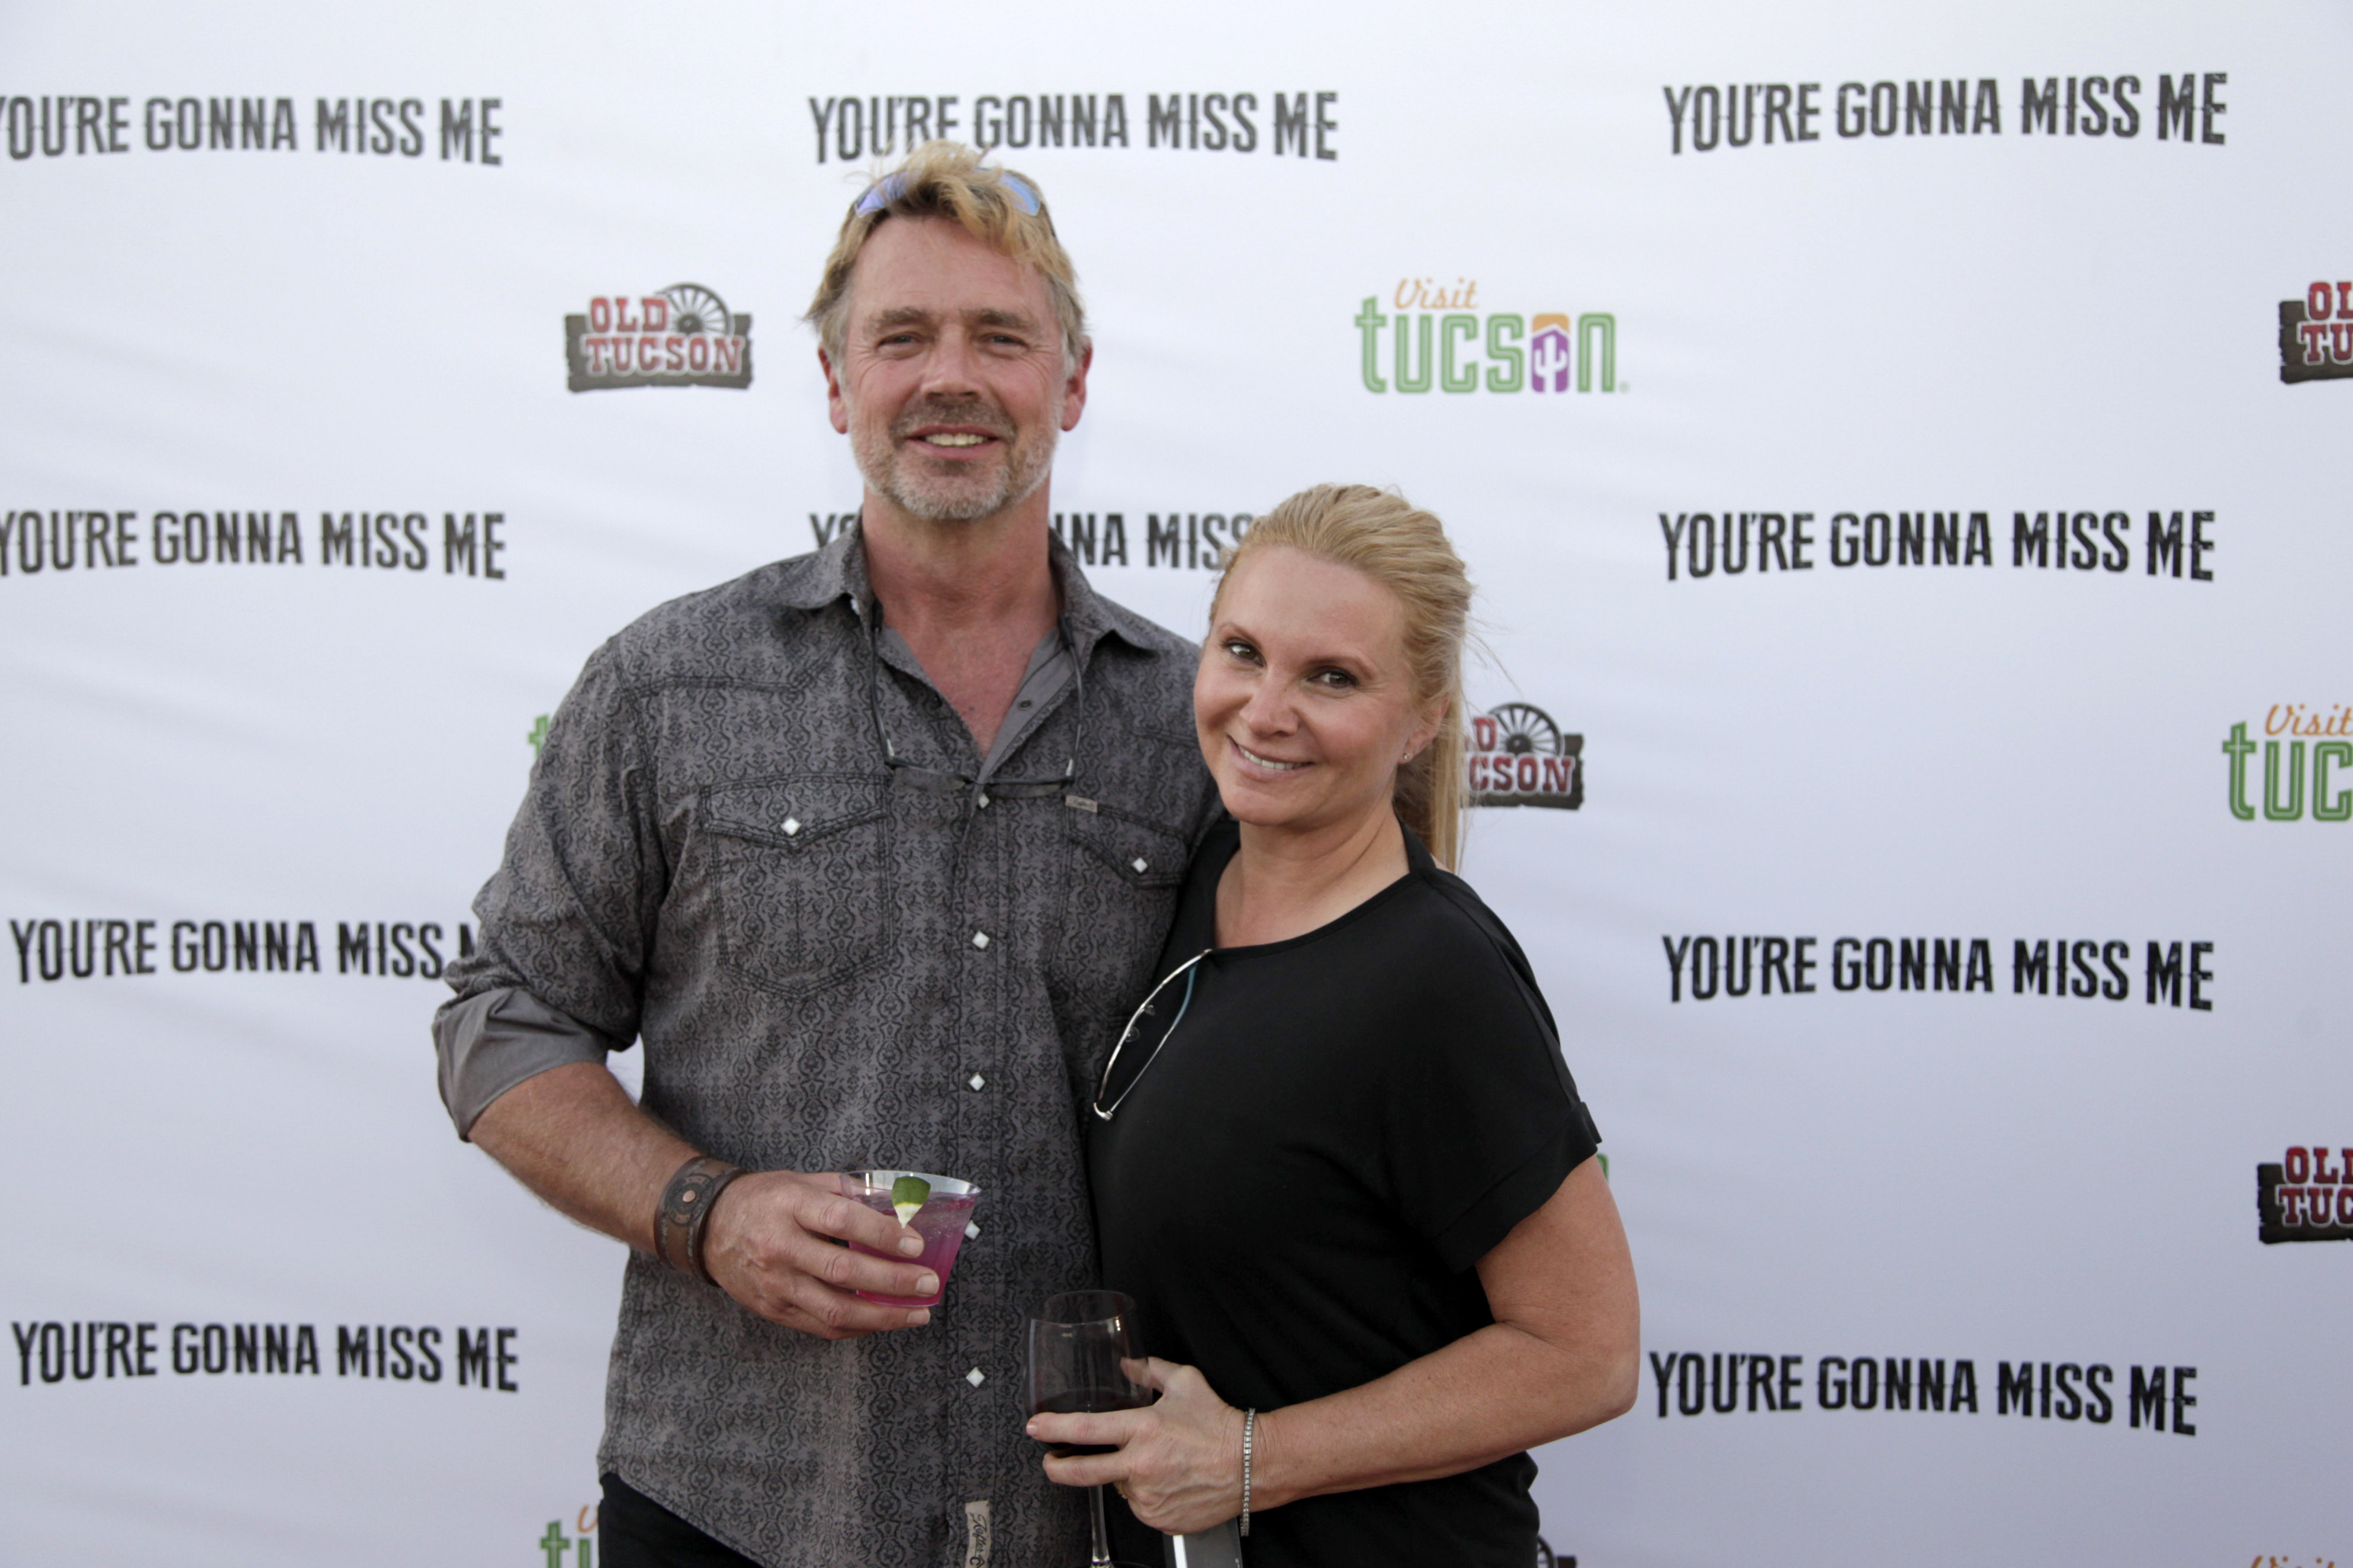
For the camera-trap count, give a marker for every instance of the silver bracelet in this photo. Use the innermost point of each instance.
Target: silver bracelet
(1249, 1428)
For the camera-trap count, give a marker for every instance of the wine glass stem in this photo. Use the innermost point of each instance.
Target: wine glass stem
(1103, 1536)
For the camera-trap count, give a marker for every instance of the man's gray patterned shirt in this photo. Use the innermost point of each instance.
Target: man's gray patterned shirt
(832, 968)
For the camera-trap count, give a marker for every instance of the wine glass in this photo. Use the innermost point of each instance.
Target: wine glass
(1081, 1346)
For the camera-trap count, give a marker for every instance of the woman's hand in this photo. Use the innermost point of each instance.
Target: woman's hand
(1179, 1462)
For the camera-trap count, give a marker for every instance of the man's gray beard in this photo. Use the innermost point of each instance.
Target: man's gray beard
(944, 499)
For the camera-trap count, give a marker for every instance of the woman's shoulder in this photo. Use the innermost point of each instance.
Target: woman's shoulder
(1461, 945)
(1473, 987)
(1458, 915)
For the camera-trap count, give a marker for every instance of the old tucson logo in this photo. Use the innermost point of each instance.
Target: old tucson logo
(2316, 335)
(2304, 1197)
(1518, 757)
(683, 336)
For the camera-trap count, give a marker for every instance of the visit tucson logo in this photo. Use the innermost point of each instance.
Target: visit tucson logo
(683, 335)
(1444, 336)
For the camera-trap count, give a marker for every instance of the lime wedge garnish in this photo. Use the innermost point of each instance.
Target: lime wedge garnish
(908, 1195)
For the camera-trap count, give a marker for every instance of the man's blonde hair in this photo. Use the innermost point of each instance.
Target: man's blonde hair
(1002, 209)
(1405, 549)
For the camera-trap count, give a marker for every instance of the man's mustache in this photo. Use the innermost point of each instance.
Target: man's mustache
(979, 416)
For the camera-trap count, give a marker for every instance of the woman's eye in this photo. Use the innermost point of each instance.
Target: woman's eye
(1239, 649)
(1337, 679)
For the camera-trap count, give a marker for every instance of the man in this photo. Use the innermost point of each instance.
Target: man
(871, 847)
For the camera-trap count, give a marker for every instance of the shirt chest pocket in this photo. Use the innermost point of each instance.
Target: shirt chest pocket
(1119, 897)
(801, 869)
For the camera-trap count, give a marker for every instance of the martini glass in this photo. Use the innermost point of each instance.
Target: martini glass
(1081, 1347)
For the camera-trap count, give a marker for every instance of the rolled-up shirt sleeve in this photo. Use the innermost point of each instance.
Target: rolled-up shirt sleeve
(494, 1040)
(567, 920)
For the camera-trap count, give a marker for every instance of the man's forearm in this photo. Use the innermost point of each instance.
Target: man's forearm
(573, 1135)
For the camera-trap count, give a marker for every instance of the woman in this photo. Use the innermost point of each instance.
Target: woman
(1339, 1163)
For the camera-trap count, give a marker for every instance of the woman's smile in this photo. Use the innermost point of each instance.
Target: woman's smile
(1271, 764)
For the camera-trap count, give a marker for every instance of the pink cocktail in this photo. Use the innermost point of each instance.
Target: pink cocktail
(941, 1222)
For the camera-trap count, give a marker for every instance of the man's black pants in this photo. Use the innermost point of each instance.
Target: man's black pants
(635, 1532)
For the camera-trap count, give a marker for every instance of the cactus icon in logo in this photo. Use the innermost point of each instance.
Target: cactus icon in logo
(1551, 356)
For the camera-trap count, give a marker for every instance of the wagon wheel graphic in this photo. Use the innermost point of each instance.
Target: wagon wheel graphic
(1526, 730)
(694, 308)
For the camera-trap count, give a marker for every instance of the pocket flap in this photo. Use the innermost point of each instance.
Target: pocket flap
(793, 812)
(1143, 855)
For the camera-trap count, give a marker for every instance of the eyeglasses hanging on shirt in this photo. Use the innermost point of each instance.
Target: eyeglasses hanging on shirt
(945, 780)
(1137, 1027)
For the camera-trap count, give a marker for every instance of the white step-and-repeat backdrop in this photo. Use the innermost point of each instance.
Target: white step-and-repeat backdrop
(1903, 453)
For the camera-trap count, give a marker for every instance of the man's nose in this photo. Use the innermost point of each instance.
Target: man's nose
(952, 367)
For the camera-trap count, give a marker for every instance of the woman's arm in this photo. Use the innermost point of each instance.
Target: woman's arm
(1562, 1355)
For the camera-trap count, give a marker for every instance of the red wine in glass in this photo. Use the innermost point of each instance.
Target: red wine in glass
(1088, 1402)
(1082, 1354)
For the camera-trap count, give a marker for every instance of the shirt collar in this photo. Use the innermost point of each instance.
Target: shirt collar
(837, 571)
(1418, 861)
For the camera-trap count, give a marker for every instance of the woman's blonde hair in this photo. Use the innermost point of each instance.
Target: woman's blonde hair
(1405, 549)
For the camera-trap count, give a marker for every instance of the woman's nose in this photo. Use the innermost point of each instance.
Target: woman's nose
(1268, 711)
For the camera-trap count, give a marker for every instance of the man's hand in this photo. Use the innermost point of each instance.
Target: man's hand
(573, 1136)
(772, 1243)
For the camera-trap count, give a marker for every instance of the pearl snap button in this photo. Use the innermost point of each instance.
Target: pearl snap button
(1140, 864)
(980, 939)
(792, 825)
(976, 1377)
(972, 1232)
(976, 1082)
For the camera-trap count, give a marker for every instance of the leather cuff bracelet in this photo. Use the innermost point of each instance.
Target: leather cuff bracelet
(685, 1210)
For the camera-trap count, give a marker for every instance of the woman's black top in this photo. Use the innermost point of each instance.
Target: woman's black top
(1338, 1127)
